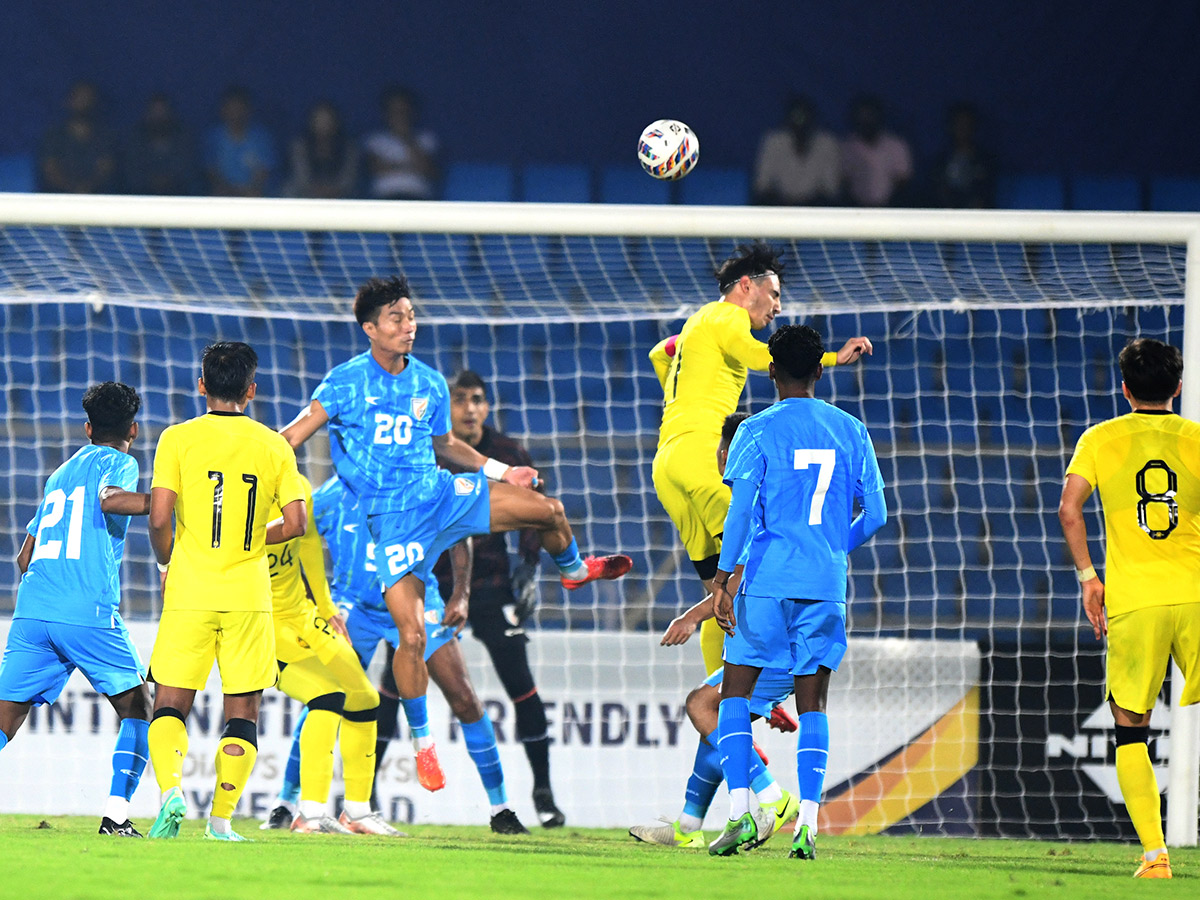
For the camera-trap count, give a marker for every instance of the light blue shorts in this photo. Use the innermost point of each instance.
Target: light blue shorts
(403, 540)
(772, 688)
(41, 656)
(797, 636)
(368, 626)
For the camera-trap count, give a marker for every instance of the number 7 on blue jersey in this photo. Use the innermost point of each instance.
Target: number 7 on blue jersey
(826, 459)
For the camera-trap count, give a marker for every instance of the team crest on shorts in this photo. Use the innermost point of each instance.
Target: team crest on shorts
(419, 405)
(464, 486)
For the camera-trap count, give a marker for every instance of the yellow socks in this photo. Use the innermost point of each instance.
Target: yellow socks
(359, 729)
(235, 759)
(317, 740)
(1139, 788)
(168, 741)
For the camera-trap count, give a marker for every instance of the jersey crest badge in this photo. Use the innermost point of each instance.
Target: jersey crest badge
(419, 406)
(464, 486)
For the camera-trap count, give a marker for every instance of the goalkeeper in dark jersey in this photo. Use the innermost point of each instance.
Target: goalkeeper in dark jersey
(503, 597)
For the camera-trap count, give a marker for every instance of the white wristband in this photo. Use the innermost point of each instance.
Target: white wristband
(1086, 574)
(494, 470)
(162, 568)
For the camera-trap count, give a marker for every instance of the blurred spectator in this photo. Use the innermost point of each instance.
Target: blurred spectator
(401, 159)
(160, 158)
(876, 164)
(239, 154)
(324, 162)
(79, 156)
(798, 164)
(965, 175)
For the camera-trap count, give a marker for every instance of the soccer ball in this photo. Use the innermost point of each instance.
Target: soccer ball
(668, 149)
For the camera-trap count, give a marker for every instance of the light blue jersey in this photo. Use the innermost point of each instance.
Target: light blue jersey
(381, 428)
(355, 580)
(809, 462)
(74, 574)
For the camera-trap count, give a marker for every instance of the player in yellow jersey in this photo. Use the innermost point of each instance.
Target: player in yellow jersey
(1146, 466)
(702, 371)
(218, 475)
(319, 668)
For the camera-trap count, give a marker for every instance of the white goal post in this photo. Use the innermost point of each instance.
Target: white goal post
(677, 222)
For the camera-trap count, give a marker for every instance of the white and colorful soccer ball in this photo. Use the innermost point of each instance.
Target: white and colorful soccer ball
(668, 149)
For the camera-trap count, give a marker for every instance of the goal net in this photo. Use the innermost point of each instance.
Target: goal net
(972, 698)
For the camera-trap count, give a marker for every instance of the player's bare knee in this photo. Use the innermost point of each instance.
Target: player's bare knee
(465, 704)
(412, 641)
(698, 705)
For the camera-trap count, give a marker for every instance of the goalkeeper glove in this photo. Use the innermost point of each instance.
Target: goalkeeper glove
(525, 590)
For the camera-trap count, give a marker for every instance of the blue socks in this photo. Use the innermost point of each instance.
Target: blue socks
(569, 562)
(481, 746)
(129, 757)
(417, 714)
(290, 791)
(736, 745)
(812, 755)
(702, 785)
(760, 778)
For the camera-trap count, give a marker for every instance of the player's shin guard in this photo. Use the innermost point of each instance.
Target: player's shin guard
(358, 746)
(481, 747)
(236, 753)
(1139, 787)
(702, 785)
(317, 740)
(129, 758)
(735, 745)
(812, 756)
(168, 742)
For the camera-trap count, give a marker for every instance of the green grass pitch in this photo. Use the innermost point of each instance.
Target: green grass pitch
(65, 859)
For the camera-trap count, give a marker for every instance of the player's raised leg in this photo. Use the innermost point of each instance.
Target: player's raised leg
(514, 508)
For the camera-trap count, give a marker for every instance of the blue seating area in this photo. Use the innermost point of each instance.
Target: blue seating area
(730, 186)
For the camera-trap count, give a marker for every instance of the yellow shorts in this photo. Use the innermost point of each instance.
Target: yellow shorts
(691, 491)
(304, 634)
(189, 640)
(1141, 641)
(315, 660)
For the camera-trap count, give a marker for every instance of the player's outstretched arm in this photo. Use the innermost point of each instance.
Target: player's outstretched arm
(292, 524)
(684, 625)
(1075, 492)
(852, 351)
(304, 426)
(660, 357)
(462, 454)
(25, 554)
(116, 501)
(462, 559)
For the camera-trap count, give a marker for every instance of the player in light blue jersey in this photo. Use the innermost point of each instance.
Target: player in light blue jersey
(796, 471)
(368, 623)
(67, 614)
(776, 807)
(388, 415)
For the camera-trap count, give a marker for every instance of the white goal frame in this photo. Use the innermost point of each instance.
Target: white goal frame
(1183, 788)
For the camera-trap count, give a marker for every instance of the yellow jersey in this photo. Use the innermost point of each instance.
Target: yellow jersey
(702, 382)
(297, 561)
(1146, 466)
(226, 471)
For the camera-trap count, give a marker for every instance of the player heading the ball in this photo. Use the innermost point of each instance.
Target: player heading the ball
(389, 418)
